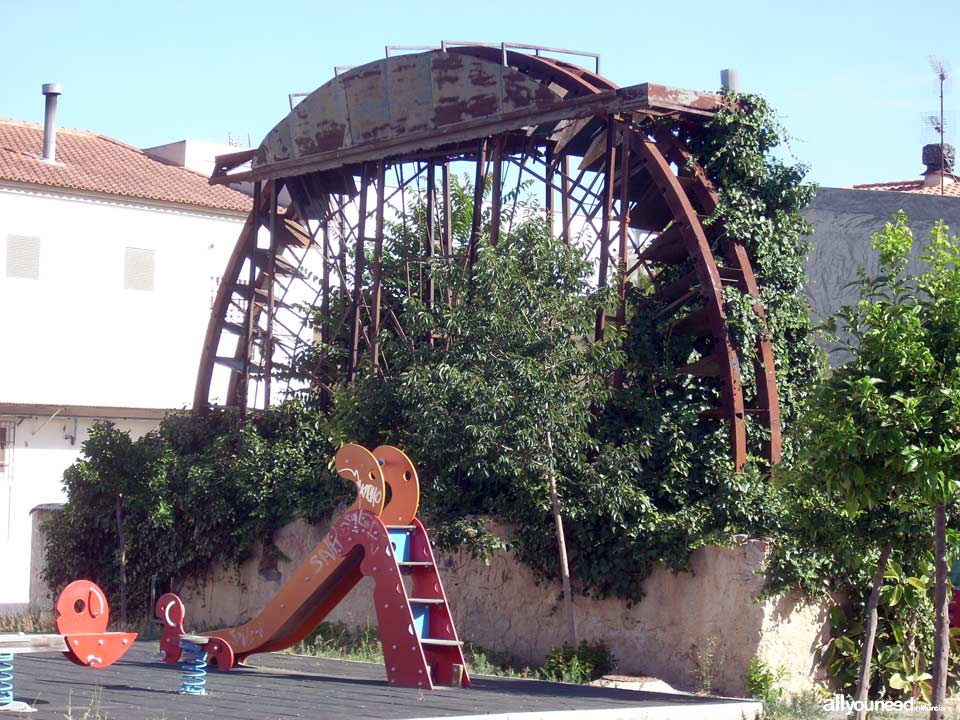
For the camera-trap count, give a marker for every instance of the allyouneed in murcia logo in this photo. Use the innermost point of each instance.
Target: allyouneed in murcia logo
(840, 704)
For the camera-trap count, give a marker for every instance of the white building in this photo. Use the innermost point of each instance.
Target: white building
(109, 259)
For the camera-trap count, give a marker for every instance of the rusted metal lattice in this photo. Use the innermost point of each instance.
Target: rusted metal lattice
(612, 175)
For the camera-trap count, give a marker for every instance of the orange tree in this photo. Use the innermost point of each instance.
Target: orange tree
(883, 433)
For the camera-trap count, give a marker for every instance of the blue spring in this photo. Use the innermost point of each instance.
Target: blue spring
(6, 678)
(194, 662)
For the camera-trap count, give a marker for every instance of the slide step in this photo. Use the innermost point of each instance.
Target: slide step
(428, 601)
(415, 563)
(436, 641)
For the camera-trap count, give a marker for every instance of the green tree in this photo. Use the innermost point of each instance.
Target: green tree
(197, 492)
(497, 410)
(882, 431)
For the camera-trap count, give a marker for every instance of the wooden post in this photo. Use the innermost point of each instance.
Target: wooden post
(562, 548)
(122, 540)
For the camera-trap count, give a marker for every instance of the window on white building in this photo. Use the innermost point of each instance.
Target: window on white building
(138, 269)
(23, 257)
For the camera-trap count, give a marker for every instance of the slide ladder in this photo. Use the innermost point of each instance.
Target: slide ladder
(384, 541)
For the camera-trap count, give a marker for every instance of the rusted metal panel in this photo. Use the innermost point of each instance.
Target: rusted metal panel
(318, 124)
(603, 103)
(661, 97)
(519, 92)
(464, 88)
(411, 96)
(397, 97)
(368, 108)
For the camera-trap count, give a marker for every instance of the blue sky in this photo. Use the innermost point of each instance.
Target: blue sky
(850, 80)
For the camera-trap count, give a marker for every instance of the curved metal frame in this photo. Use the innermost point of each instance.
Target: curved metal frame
(636, 192)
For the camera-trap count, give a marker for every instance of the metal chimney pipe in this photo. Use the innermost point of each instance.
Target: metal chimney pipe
(729, 80)
(51, 91)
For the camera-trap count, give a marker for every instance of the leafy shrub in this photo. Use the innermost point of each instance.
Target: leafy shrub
(802, 706)
(197, 492)
(705, 661)
(763, 682)
(588, 662)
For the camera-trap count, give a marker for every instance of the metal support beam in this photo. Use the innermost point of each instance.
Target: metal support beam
(480, 181)
(325, 301)
(430, 290)
(496, 191)
(565, 197)
(624, 233)
(610, 163)
(241, 387)
(548, 189)
(266, 348)
(447, 239)
(358, 267)
(375, 298)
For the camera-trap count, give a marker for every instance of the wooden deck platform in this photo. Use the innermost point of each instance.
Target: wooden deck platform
(140, 687)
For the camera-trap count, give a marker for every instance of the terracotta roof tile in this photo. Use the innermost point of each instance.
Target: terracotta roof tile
(951, 189)
(96, 163)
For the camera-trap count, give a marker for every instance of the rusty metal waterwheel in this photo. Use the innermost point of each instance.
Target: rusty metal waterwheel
(611, 173)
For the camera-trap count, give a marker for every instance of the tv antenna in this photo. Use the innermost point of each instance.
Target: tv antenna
(942, 72)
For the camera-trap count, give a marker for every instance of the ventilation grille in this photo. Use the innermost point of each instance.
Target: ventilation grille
(23, 257)
(138, 269)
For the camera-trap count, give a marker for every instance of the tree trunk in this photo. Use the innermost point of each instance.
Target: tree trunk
(866, 652)
(941, 639)
(123, 562)
(562, 545)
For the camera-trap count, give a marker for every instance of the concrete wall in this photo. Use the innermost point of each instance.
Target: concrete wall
(77, 336)
(41, 450)
(502, 607)
(843, 221)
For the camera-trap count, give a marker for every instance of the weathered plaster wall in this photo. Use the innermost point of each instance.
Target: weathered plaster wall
(843, 221)
(501, 607)
(41, 596)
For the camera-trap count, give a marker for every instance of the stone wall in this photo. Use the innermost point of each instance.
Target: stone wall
(501, 607)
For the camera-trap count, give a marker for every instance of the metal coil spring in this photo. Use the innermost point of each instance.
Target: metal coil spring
(6, 679)
(194, 663)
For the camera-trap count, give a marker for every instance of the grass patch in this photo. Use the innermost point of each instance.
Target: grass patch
(338, 641)
(481, 661)
(806, 705)
(31, 621)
